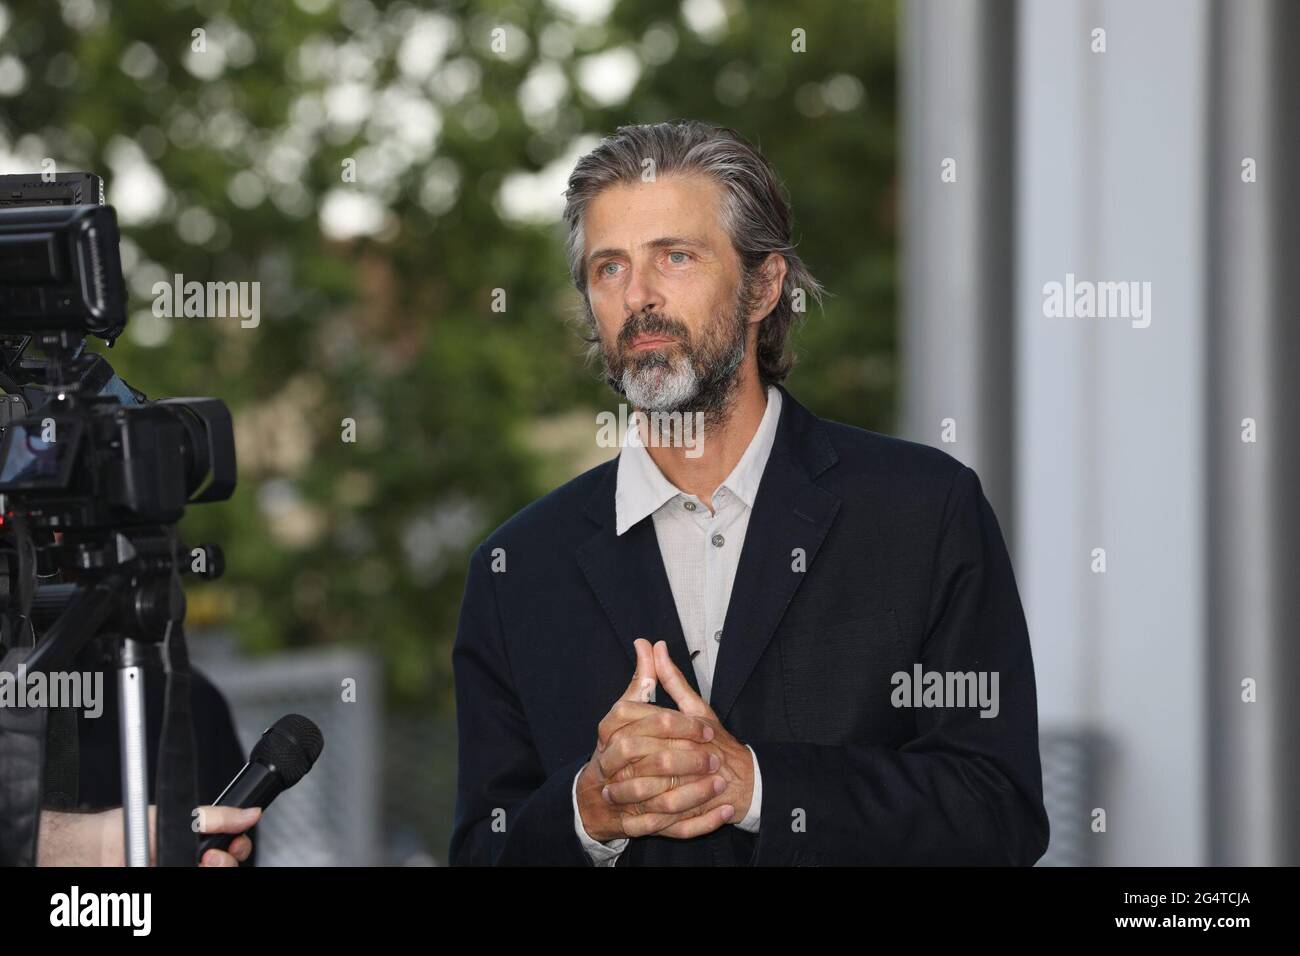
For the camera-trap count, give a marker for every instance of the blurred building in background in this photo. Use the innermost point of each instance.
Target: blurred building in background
(1138, 453)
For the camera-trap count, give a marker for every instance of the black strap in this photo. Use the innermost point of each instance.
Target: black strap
(177, 788)
(62, 760)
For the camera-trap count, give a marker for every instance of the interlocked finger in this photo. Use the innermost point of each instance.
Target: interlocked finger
(655, 795)
(625, 751)
(631, 792)
(687, 824)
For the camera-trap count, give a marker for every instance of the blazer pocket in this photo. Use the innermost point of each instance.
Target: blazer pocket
(837, 680)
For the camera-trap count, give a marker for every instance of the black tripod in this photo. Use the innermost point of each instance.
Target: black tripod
(140, 606)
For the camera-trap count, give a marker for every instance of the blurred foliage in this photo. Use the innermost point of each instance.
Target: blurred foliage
(221, 161)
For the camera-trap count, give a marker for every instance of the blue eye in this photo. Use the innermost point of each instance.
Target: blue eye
(604, 270)
(678, 262)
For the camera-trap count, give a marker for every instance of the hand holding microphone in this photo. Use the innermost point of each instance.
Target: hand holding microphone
(287, 750)
(224, 820)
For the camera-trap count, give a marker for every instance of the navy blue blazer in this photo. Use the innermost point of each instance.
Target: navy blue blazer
(865, 556)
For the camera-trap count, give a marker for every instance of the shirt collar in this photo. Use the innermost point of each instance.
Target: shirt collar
(641, 488)
(745, 477)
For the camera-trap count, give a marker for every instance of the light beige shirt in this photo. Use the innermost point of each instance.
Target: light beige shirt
(701, 552)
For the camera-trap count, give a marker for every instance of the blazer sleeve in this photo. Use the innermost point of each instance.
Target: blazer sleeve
(966, 789)
(508, 810)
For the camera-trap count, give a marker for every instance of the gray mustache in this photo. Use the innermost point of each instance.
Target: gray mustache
(651, 325)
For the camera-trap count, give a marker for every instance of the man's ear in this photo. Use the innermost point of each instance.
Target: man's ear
(770, 280)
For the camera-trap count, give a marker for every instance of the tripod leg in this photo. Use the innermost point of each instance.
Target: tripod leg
(135, 770)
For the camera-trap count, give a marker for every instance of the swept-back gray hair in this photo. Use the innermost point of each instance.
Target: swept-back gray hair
(755, 213)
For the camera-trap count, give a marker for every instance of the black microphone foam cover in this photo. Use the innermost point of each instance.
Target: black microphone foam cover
(291, 745)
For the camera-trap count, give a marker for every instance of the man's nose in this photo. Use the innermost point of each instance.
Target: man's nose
(641, 295)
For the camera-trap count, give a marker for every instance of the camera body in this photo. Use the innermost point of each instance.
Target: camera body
(102, 464)
(93, 476)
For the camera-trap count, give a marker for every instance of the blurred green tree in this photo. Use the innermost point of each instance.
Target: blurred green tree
(382, 170)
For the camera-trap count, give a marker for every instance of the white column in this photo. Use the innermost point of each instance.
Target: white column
(1254, 538)
(958, 117)
(1109, 445)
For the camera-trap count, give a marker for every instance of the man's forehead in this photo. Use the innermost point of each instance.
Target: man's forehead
(641, 212)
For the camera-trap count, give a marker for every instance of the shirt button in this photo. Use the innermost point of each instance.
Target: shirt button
(717, 635)
(689, 506)
(719, 540)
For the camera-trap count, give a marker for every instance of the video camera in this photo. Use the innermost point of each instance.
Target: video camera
(93, 478)
(92, 475)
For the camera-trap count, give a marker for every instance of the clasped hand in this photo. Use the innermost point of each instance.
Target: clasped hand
(675, 773)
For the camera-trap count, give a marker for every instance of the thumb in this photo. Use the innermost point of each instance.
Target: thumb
(642, 687)
(643, 681)
(688, 702)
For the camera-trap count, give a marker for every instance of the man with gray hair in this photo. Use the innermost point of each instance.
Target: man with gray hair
(763, 588)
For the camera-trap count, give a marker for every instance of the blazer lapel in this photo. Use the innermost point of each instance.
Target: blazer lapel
(790, 512)
(627, 574)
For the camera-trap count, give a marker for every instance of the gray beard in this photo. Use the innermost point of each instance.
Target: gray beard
(674, 385)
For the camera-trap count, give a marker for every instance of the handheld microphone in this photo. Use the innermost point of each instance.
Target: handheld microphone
(287, 750)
